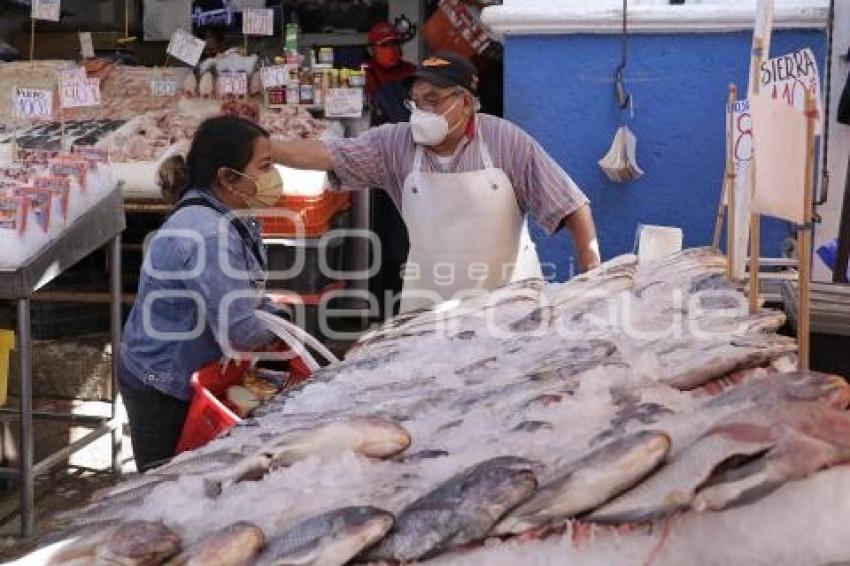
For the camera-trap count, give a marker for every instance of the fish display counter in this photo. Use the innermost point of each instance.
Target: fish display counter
(138, 121)
(638, 413)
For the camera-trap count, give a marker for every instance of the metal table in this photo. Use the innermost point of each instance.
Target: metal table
(100, 226)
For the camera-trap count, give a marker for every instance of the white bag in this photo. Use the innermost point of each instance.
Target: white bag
(620, 163)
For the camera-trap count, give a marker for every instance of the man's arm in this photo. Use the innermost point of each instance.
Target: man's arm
(302, 154)
(583, 232)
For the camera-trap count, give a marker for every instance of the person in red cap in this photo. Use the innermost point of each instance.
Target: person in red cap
(386, 91)
(385, 75)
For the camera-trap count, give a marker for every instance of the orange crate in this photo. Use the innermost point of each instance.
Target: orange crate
(208, 416)
(314, 214)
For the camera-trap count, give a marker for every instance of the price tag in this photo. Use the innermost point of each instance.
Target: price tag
(186, 47)
(79, 93)
(232, 83)
(71, 74)
(163, 87)
(257, 21)
(45, 10)
(86, 46)
(277, 75)
(31, 104)
(344, 103)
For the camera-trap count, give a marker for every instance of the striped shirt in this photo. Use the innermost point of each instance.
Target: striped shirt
(383, 157)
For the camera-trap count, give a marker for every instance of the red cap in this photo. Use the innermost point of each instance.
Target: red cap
(383, 32)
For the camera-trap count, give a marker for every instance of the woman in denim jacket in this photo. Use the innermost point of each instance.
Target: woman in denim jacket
(202, 279)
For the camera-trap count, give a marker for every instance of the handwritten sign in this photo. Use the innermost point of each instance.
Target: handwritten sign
(277, 75)
(163, 87)
(232, 83)
(742, 155)
(186, 47)
(344, 103)
(79, 93)
(257, 21)
(86, 45)
(788, 77)
(71, 74)
(31, 104)
(45, 10)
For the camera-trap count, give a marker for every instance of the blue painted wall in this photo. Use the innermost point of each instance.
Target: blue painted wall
(559, 89)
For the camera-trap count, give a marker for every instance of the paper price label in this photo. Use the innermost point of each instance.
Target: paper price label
(86, 45)
(232, 83)
(72, 74)
(45, 10)
(163, 87)
(31, 104)
(79, 93)
(277, 75)
(344, 103)
(186, 47)
(257, 21)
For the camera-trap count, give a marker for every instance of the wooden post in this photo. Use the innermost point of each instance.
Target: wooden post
(32, 40)
(755, 219)
(804, 237)
(730, 182)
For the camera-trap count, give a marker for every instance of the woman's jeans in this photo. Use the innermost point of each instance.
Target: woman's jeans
(156, 421)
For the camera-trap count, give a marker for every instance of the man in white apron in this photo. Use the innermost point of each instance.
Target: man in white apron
(463, 183)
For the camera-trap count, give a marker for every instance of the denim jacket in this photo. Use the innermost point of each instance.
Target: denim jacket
(199, 287)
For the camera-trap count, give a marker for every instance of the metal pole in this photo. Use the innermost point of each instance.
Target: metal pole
(115, 289)
(25, 451)
(755, 219)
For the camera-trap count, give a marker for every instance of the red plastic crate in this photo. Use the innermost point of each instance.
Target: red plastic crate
(208, 416)
(315, 214)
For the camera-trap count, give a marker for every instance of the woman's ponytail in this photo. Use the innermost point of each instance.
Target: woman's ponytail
(173, 178)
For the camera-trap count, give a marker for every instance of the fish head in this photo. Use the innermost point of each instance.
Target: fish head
(380, 438)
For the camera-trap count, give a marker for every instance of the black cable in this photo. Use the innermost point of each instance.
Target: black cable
(623, 97)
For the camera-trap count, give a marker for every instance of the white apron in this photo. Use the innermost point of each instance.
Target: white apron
(467, 233)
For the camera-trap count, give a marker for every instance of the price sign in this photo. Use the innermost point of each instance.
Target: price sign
(79, 93)
(31, 104)
(277, 75)
(257, 21)
(45, 10)
(344, 103)
(232, 83)
(71, 74)
(86, 46)
(186, 47)
(163, 87)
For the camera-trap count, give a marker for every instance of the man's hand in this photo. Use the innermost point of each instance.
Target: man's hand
(583, 232)
(302, 154)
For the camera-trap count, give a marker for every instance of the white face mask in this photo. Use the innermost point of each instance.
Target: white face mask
(430, 128)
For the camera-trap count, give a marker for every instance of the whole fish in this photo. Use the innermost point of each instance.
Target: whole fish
(111, 507)
(373, 437)
(235, 545)
(806, 386)
(138, 543)
(208, 462)
(77, 545)
(675, 485)
(591, 481)
(693, 363)
(461, 510)
(330, 539)
(808, 437)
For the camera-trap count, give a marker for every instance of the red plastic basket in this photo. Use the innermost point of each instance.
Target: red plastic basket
(208, 416)
(314, 214)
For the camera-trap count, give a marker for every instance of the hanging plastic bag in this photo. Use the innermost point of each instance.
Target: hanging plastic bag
(620, 163)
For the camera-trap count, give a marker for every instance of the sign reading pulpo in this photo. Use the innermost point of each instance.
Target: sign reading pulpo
(79, 93)
(186, 47)
(32, 104)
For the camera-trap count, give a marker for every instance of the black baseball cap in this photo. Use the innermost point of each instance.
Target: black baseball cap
(447, 69)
